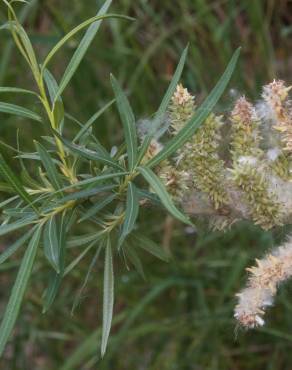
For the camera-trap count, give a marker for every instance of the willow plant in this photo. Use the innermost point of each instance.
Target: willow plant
(77, 180)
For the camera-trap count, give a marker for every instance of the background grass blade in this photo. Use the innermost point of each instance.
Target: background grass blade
(14, 303)
(81, 50)
(16, 110)
(162, 193)
(9, 176)
(198, 118)
(108, 296)
(128, 121)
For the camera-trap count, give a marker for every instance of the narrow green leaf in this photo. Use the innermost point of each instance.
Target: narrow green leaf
(98, 206)
(81, 50)
(18, 290)
(14, 247)
(16, 110)
(132, 209)
(16, 90)
(86, 193)
(135, 260)
(108, 296)
(128, 121)
(149, 246)
(90, 154)
(75, 262)
(162, 193)
(88, 273)
(199, 117)
(164, 104)
(50, 167)
(77, 241)
(52, 243)
(55, 278)
(13, 180)
(91, 121)
(94, 180)
(73, 32)
(57, 103)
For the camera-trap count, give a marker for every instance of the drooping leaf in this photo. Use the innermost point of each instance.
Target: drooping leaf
(135, 260)
(18, 290)
(108, 296)
(80, 27)
(150, 246)
(56, 278)
(132, 209)
(162, 193)
(8, 252)
(82, 49)
(199, 117)
(128, 121)
(52, 245)
(17, 110)
(8, 175)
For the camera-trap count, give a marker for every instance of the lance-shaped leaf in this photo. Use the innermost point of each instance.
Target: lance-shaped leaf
(57, 103)
(18, 290)
(91, 120)
(52, 246)
(108, 296)
(56, 278)
(17, 110)
(50, 167)
(164, 104)
(8, 228)
(150, 246)
(128, 121)
(16, 90)
(199, 117)
(98, 206)
(86, 193)
(7, 174)
(162, 193)
(15, 246)
(132, 209)
(90, 154)
(77, 29)
(82, 49)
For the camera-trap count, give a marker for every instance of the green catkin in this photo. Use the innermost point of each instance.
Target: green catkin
(275, 97)
(245, 136)
(264, 208)
(199, 157)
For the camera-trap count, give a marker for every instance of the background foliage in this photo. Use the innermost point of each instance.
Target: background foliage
(180, 317)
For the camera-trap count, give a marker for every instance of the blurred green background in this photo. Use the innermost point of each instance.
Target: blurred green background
(181, 316)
